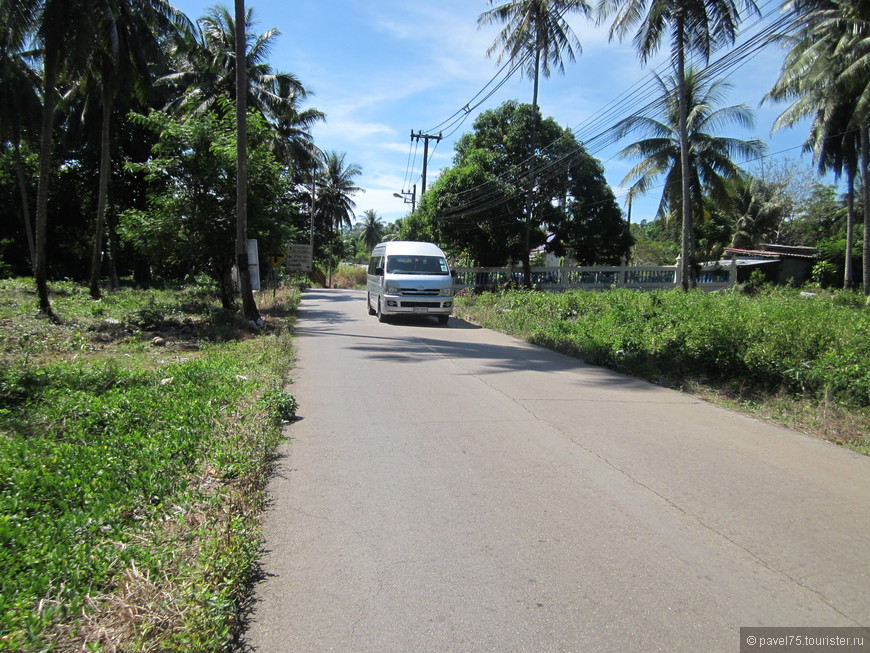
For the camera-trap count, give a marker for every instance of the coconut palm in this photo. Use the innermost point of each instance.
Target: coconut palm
(19, 106)
(373, 228)
(63, 32)
(825, 76)
(757, 208)
(206, 69)
(695, 26)
(127, 46)
(710, 158)
(335, 190)
(535, 37)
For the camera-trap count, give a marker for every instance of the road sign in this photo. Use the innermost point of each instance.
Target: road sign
(276, 259)
(299, 258)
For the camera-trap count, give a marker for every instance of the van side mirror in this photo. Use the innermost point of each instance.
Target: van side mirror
(453, 273)
(379, 272)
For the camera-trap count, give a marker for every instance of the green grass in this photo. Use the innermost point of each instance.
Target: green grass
(132, 473)
(764, 351)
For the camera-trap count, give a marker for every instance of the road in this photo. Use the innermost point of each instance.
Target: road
(454, 489)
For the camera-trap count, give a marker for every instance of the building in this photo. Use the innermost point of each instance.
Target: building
(781, 264)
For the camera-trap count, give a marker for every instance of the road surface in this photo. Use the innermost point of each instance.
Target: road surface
(454, 489)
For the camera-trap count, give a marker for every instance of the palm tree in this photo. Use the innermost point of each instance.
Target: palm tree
(757, 207)
(373, 229)
(534, 37)
(128, 44)
(698, 26)
(710, 158)
(19, 105)
(825, 76)
(206, 69)
(336, 187)
(63, 32)
(249, 306)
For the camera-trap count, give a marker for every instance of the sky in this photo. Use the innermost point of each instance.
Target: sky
(382, 69)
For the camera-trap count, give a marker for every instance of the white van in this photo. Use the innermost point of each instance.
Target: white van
(409, 277)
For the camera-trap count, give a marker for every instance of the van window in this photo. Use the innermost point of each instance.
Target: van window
(375, 263)
(432, 265)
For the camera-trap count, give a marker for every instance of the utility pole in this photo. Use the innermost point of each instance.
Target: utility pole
(426, 138)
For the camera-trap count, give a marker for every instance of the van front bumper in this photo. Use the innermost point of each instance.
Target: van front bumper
(397, 305)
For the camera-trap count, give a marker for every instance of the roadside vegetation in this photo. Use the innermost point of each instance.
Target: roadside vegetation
(799, 359)
(135, 441)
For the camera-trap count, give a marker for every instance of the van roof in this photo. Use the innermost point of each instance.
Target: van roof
(409, 247)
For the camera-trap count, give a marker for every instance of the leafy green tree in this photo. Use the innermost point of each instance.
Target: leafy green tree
(189, 226)
(695, 26)
(710, 158)
(534, 37)
(477, 206)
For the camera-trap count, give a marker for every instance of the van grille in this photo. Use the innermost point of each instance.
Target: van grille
(415, 291)
(420, 304)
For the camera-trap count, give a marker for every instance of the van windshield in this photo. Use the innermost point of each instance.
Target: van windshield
(435, 265)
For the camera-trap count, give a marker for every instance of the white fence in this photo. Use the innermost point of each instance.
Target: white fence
(641, 277)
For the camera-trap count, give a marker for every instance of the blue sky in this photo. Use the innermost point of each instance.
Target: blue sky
(384, 68)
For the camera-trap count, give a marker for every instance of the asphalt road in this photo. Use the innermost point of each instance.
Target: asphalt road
(454, 489)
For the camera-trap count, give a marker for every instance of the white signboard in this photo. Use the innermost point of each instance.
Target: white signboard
(254, 263)
(299, 258)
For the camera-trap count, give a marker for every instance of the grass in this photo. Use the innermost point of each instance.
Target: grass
(135, 440)
(349, 276)
(800, 360)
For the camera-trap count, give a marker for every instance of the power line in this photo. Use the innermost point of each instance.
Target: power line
(486, 195)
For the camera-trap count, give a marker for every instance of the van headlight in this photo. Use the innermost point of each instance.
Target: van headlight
(393, 290)
(447, 292)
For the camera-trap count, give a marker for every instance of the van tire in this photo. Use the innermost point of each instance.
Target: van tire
(381, 316)
(442, 319)
(369, 304)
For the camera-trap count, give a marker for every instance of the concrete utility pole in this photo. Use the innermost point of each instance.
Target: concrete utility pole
(426, 138)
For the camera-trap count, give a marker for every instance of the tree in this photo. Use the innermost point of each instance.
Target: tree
(696, 26)
(475, 207)
(335, 190)
(63, 31)
(19, 105)
(127, 47)
(756, 210)
(534, 37)
(206, 69)
(373, 229)
(708, 159)
(189, 226)
(825, 76)
(249, 306)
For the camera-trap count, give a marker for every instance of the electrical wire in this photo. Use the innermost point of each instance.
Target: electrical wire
(486, 196)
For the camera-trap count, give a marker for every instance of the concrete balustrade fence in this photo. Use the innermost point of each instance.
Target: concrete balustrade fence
(641, 277)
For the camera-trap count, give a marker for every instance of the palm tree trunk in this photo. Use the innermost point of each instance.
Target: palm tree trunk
(102, 193)
(41, 267)
(849, 273)
(865, 164)
(25, 205)
(249, 306)
(527, 250)
(686, 249)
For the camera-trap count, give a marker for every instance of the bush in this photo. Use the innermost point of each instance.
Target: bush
(349, 276)
(811, 345)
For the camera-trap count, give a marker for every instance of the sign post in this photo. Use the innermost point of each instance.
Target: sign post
(299, 258)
